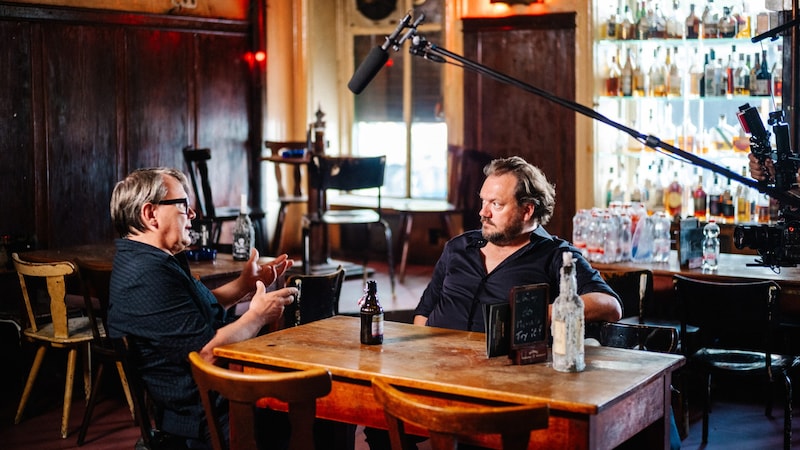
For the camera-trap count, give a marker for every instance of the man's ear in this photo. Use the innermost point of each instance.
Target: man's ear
(148, 215)
(529, 210)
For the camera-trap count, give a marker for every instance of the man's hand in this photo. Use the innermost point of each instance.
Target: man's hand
(761, 171)
(269, 305)
(266, 273)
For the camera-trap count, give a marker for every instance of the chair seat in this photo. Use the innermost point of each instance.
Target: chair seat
(740, 360)
(635, 320)
(80, 331)
(351, 216)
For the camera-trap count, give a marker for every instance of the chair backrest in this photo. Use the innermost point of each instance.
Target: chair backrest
(729, 315)
(639, 337)
(54, 275)
(318, 299)
(299, 390)
(198, 167)
(346, 174)
(95, 280)
(635, 289)
(446, 424)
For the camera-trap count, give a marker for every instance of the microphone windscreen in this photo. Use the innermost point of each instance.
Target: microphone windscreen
(370, 67)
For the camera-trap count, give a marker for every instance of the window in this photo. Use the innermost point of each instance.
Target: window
(400, 113)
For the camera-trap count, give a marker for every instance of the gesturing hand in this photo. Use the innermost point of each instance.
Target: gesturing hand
(266, 273)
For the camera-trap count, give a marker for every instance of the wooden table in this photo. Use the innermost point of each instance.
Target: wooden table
(732, 267)
(212, 273)
(621, 392)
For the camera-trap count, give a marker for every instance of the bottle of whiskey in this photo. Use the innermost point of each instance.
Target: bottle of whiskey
(567, 325)
(692, 24)
(371, 316)
(243, 233)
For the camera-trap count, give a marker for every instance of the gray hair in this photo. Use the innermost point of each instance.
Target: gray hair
(140, 187)
(532, 185)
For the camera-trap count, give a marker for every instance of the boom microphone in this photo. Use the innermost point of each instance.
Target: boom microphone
(376, 58)
(370, 67)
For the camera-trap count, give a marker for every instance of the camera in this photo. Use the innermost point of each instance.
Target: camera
(779, 244)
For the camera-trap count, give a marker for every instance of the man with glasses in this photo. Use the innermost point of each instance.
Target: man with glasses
(164, 312)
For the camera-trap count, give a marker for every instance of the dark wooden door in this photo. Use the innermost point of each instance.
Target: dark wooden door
(501, 120)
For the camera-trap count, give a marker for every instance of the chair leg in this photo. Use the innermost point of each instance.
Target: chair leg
(276, 237)
(72, 358)
(306, 249)
(706, 407)
(389, 256)
(87, 415)
(123, 379)
(26, 393)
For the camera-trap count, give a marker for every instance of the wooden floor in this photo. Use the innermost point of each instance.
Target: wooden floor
(737, 420)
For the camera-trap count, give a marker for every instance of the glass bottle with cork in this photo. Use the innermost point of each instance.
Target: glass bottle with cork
(371, 316)
(567, 325)
(243, 233)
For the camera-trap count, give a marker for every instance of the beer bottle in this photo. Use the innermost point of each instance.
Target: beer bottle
(371, 316)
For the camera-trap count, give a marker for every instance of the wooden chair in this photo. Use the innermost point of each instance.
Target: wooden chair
(197, 162)
(446, 424)
(299, 389)
(290, 191)
(347, 174)
(70, 333)
(737, 323)
(95, 279)
(318, 299)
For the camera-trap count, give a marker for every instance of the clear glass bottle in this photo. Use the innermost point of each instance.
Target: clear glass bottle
(710, 245)
(673, 197)
(700, 200)
(692, 24)
(626, 28)
(661, 237)
(567, 327)
(626, 77)
(710, 19)
(727, 27)
(744, 200)
(243, 233)
(613, 78)
(371, 316)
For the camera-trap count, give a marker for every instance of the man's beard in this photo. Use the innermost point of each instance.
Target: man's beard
(507, 235)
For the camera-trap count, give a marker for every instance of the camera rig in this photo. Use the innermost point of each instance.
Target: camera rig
(778, 244)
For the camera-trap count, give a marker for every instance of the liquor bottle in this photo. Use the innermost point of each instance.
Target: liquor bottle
(674, 78)
(700, 200)
(777, 74)
(673, 197)
(642, 23)
(714, 200)
(626, 29)
(743, 201)
(613, 78)
(741, 78)
(658, 71)
(661, 236)
(753, 73)
(710, 19)
(567, 327)
(371, 316)
(763, 77)
(710, 245)
(626, 79)
(695, 75)
(692, 23)
(658, 23)
(710, 86)
(742, 16)
(611, 25)
(727, 27)
(726, 204)
(641, 79)
(243, 233)
(730, 72)
(675, 27)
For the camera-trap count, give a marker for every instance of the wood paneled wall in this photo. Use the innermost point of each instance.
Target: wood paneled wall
(91, 95)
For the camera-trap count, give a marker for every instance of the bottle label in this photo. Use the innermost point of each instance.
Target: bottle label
(559, 337)
(377, 325)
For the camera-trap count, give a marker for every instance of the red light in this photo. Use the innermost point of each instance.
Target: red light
(261, 56)
(390, 62)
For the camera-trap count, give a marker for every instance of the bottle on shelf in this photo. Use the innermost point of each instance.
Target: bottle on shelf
(611, 25)
(658, 23)
(613, 78)
(674, 74)
(777, 74)
(743, 201)
(641, 77)
(700, 200)
(710, 19)
(568, 327)
(243, 233)
(708, 76)
(626, 28)
(727, 27)
(763, 77)
(371, 316)
(661, 236)
(715, 200)
(658, 74)
(642, 23)
(692, 24)
(710, 245)
(741, 78)
(727, 206)
(675, 26)
(626, 77)
(730, 72)
(696, 75)
(673, 197)
(742, 16)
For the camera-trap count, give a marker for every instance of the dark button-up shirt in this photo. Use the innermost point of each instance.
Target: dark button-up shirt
(460, 285)
(166, 313)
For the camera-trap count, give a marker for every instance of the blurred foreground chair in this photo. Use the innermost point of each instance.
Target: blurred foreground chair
(291, 188)
(737, 326)
(639, 337)
(447, 424)
(318, 299)
(196, 161)
(62, 331)
(347, 174)
(95, 279)
(299, 389)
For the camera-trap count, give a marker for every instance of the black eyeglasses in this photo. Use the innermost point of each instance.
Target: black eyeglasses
(181, 203)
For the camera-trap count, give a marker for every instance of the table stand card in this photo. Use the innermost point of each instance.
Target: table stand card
(497, 324)
(529, 324)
